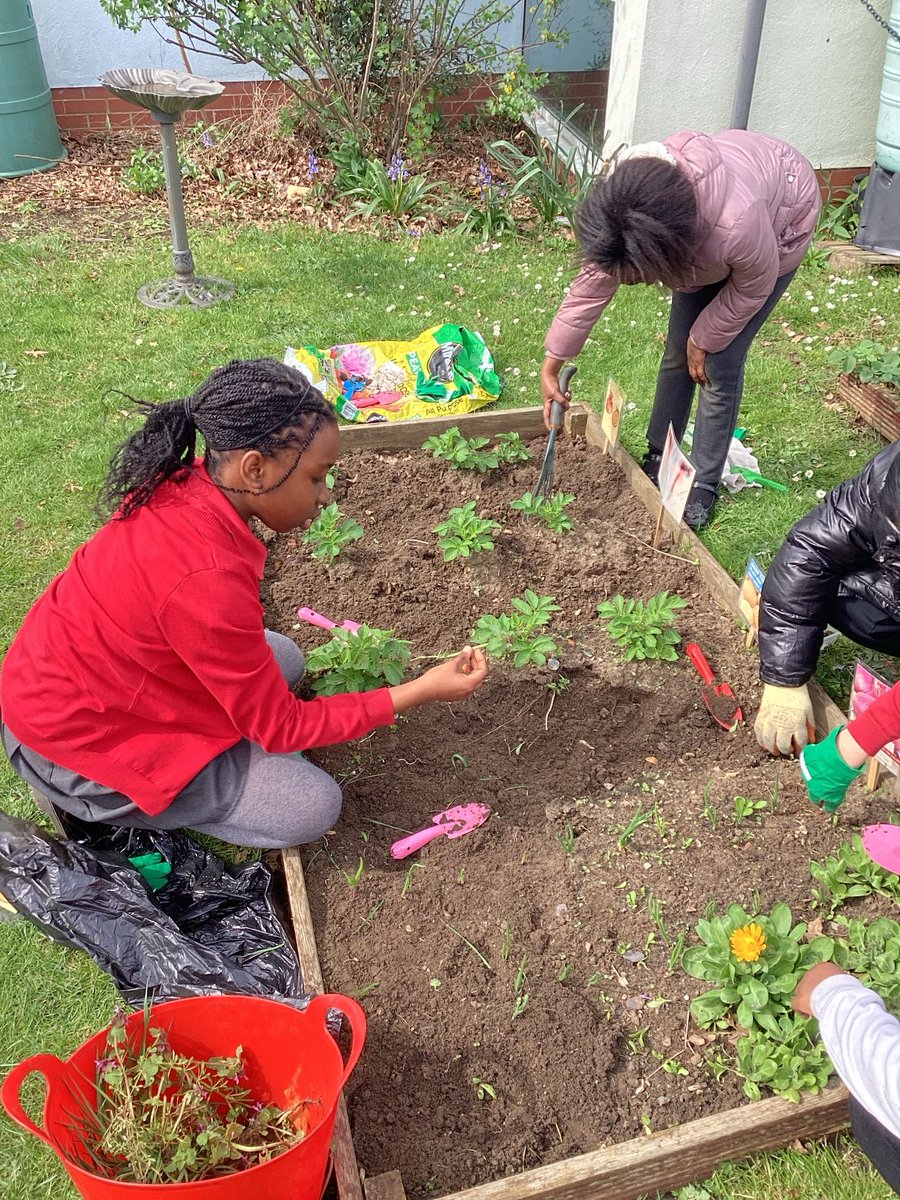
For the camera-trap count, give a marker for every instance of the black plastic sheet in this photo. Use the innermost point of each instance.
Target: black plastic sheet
(212, 928)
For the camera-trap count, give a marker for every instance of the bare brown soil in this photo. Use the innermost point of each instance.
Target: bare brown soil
(553, 890)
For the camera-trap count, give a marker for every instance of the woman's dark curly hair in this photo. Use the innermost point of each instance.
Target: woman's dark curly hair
(639, 225)
(258, 404)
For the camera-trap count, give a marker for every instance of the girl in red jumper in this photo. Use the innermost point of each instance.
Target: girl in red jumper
(143, 688)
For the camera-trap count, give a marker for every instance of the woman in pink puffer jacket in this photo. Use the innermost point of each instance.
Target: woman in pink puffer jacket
(724, 220)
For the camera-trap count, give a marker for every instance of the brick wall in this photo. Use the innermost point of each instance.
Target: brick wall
(94, 108)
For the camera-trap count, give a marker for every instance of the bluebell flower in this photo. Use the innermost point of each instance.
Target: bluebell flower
(397, 170)
(312, 165)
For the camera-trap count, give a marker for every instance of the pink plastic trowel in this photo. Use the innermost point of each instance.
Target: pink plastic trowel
(882, 844)
(311, 617)
(452, 823)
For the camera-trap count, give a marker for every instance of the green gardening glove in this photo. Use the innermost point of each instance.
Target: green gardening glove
(825, 773)
(154, 869)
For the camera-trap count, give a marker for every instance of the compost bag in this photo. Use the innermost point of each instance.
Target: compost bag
(443, 371)
(211, 928)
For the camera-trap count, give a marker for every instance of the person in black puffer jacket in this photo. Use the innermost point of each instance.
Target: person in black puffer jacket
(840, 566)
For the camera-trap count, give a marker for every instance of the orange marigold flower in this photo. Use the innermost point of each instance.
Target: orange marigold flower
(748, 943)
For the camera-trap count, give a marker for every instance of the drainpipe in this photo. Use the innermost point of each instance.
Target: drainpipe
(743, 92)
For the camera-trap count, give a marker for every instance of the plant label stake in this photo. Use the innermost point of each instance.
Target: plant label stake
(452, 823)
(544, 486)
(611, 416)
(676, 476)
(311, 617)
(719, 699)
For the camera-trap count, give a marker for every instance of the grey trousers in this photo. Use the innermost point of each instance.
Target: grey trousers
(244, 795)
(720, 399)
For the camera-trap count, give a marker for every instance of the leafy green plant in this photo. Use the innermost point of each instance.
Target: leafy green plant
(754, 962)
(483, 1089)
(464, 533)
(390, 191)
(551, 511)
(330, 532)
(745, 808)
(629, 829)
(358, 662)
(840, 220)
(554, 180)
(870, 361)
(460, 452)
(163, 1117)
(871, 951)
(522, 998)
(850, 874)
(511, 449)
(514, 94)
(643, 631)
(517, 635)
(490, 217)
(145, 174)
(787, 1061)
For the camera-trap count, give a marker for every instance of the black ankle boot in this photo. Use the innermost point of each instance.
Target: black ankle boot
(701, 503)
(650, 464)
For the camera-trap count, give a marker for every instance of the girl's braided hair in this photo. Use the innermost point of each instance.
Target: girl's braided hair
(258, 404)
(640, 223)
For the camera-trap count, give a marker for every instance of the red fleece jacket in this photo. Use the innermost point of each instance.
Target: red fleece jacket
(147, 656)
(879, 724)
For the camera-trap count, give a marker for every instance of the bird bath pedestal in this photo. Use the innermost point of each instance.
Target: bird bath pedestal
(166, 95)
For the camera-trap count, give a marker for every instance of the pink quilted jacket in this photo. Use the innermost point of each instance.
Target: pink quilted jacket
(758, 203)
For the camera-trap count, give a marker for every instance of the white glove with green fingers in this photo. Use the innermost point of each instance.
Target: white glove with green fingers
(784, 723)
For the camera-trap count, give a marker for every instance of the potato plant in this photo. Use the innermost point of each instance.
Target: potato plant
(358, 662)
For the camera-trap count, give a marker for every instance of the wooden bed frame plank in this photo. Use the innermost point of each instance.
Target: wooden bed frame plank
(346, 1168)
(643, 1165)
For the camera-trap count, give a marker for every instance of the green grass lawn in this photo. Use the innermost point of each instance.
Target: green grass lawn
(74, 338)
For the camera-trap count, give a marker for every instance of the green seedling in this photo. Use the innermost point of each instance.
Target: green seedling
(354, 878)
(464, 534)
(551, 512)
(459, 762)
(643, 631)
(483, 1090)
(511, 449)
(632, 900)
(639, 818)
(567, 839)
(564, 973)
(517, 635)
(672, 1066)
(744, 808)
(461, 877)
(636, 1040)
(709, 810)
(462, 937)
(522, 997)
(677, 952)
(366, 989)
(407, 882)
(655, 908)
(358, 662)
(330, 532)
(434, 983)
(369, 917)
(507, 941)
(462, 453)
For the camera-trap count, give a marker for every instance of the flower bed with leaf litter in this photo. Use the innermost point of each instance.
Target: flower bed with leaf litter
(615, 950)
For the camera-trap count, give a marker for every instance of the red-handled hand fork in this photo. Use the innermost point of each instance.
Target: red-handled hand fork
(718, 697)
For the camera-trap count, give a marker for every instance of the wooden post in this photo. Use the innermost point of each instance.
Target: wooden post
(873, 774)
(346, 1169)
(657, 532)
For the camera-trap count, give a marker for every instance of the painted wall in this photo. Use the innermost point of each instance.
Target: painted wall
(817, 82)
(79, 40)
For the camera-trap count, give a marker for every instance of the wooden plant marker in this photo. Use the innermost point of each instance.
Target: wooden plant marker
(748, 599)
(873, 775)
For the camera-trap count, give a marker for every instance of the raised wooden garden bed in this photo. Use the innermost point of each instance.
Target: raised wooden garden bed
(876, 405)
(563, 779)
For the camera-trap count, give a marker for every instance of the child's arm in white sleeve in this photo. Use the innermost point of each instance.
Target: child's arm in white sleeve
(863, 1042)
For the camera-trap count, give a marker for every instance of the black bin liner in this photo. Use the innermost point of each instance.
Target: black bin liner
(213, 927)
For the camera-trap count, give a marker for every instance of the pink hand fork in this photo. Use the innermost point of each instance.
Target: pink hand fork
(314, 618)
(453, 822)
